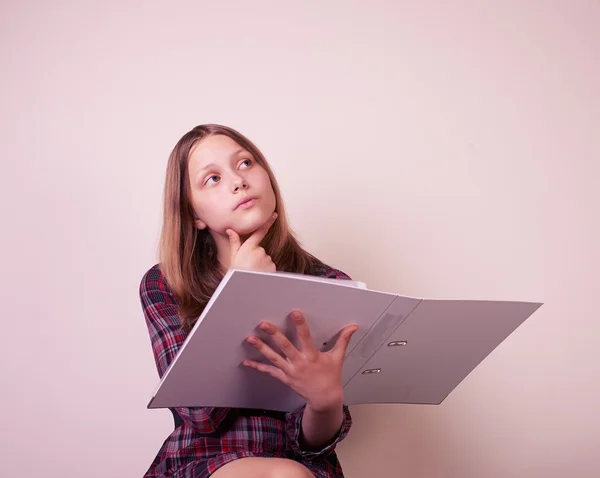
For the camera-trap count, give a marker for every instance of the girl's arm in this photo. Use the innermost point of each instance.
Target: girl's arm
(320, 427)
(312, 434)
(166, 336)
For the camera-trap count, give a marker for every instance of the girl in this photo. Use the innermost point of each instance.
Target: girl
(223, 209)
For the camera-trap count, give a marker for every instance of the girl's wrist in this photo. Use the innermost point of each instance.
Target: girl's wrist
(331, 402)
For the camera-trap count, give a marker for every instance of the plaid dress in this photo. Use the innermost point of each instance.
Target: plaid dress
(204, 439)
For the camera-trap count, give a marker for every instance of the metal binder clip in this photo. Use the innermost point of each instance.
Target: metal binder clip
(372, 370)
(397, 343)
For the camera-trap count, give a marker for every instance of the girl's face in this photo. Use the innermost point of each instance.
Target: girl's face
(229, 189)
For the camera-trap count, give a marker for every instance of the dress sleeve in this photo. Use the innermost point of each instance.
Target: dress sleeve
(293, 428)
(293, 422)
(166, 336)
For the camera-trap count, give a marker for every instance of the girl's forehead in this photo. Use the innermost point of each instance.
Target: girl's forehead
(216, 148)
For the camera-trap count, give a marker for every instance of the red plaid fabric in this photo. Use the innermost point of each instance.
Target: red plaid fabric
(207, 438)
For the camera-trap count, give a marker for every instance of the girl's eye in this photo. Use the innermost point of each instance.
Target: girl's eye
(215, 177)
(246, 162)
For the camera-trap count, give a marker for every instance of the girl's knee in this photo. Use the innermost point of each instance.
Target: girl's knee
(289, 469)
(263, 468)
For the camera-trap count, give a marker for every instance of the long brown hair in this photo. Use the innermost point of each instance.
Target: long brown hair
(188, 255)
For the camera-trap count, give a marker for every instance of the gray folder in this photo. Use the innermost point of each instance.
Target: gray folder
(407, 349)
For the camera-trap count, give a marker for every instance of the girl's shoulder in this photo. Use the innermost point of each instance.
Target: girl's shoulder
(153, 276)
(325, 270)
(154, 286)
(153, 273)
(154, 283)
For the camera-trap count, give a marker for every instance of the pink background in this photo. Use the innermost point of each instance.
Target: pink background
(453, 149)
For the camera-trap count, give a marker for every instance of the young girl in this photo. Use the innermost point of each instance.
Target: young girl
(223, 209)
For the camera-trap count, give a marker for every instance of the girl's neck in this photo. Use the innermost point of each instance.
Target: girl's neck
(224, 250)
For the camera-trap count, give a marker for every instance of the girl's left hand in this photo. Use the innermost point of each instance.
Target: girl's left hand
(314, 375)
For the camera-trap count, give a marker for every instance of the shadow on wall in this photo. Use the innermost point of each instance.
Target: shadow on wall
(362, 255)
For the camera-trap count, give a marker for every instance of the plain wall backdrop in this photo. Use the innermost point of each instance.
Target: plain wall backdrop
(440, 149)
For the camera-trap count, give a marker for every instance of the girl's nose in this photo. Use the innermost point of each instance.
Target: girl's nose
(240, 183)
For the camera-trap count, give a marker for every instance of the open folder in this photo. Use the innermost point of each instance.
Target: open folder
(407, 349)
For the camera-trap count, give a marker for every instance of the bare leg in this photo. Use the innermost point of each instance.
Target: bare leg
(258, 467)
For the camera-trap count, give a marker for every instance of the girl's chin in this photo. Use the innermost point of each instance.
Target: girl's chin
(249, 227)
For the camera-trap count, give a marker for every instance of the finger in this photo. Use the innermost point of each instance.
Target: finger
(268, 369)
(269, 353)
(261, 232)
(341, 344)
(282, 342)
(303, 330)
(234, 241)
(269, 265)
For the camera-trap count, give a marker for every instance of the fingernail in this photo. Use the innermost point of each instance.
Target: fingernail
(266, 328)
(252, 340)
(296, 315)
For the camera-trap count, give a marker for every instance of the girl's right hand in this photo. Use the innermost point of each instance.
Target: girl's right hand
(249, 255)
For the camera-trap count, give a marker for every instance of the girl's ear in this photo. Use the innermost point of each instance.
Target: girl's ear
(199, 224)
